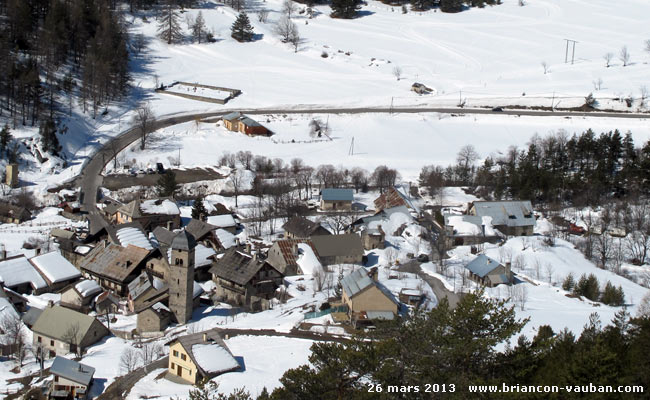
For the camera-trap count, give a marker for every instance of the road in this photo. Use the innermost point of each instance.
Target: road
(91, 178)
(437, 286)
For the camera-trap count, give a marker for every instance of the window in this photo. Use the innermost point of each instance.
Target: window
(40, 339)
(172, 367)
(175, 353)
(183, 357)
(56, 378)
(51, 342)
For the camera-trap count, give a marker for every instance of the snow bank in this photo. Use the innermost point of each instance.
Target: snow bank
(165, 207)
(307, 261)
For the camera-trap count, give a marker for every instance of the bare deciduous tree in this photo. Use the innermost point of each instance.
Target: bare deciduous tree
(545, 67)
(397, 72)
(144, 120)
(129, 360)
(236, 178)
(285, 29)
(319, 279)
(288, 8)
(14, 336)
(608, 59)
(263, 15)
(149, 352)
(624, 56)
(71, 337)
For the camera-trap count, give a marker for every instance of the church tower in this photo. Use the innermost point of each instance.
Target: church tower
(181, 276)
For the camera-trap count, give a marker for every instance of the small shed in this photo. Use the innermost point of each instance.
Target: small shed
(336, 199)
(489, 272)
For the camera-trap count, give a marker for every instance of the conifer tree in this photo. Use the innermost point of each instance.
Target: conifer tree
(5, 138)
(345, 9)
(451, 6)
(198, 209)
(169, 28)
(166, 185)
(569, 282)
(198, 29)
(49, 141)
(242, 30)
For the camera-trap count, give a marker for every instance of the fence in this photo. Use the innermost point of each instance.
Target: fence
(317, 314)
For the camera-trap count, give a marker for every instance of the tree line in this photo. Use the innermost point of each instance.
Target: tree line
(582, 169)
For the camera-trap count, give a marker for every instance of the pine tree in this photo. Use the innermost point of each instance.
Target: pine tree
(612, 295)
(169, 28)
(345, 9)
(5, 138)
(198, 29)
(569, 282)
(198, 209)
(166, 185)
(451, 6)
(242, 30)
(588, 287)
(49, 141)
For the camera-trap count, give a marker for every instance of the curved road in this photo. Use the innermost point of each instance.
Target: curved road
(91, 178)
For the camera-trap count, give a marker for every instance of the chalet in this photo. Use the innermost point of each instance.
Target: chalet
(238, 122)
(412, 297)
(47, 272)
(338, 249)
(336, 199)
(144, 291)
(61, 330)
(489, 272)
(11, 214)
(154, 318)
(71, 379)
(114, 266)
(283, 256)
(200, 356)
(366, 298)
(301, 228)
(245, 280)
(395, 197)
(509, 217)
(80, 295)
(150, 214)
(380, 217)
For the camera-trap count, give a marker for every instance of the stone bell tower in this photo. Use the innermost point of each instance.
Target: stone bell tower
(181, 276)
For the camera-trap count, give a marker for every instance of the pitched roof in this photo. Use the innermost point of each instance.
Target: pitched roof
(338, 245)
(358, 281)
(55, 267)
(248, 121)
(62, 233)
(131, 209)
(231, 116)
(183, 241)
(482, 265)
(163, 235)
(509, 213)
(300, 226)
(199, 229)
(289, 251)
(55, 322)
(222, 221)
(330, 194)
(30, 317)
(159, 207)
(18, 270)
(132, 235)
(72, 370)
(114, 261)
(206, 363)
(237, 267)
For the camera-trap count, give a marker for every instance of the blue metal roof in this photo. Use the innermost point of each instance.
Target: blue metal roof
(72, 370)
(337, 194)
(356, 282)
(482, 265)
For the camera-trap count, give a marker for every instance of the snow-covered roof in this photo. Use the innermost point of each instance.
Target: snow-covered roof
(55, 267)
(307, 261)
(83, 250)
(87, 288)
(202, 254)
(213, 358)
(509, 213)
(222, 221)
(7, 309)
(134, 236)
(226, 238)
(159, 207)
(18, 271)
(158, 307)
(197, 290)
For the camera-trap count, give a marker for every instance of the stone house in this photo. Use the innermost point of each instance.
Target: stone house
(363, 294)
(373, 238)
(512, 217)
(80, 295)
(489, 272)
(114, 266)
(150, 214)
(468, 230)
(39, 274)
(11, 214)
(71, 379)
(226, 222)
(338, 249)
(154, 318)
(245, 280)
(61, 330)
(299, 227)
(107, 303)
(199, 356)
(336, 199)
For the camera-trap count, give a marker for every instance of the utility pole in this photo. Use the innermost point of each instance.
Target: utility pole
(351, 152)
(553, 102)
(391, 105)
(573, 51)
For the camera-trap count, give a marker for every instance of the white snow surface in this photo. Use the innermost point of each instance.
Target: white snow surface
(307, 261)
(202, 254)
(166, 207)
(87, 287)
(226, 238)
(222, 221)
(18, 271)
(55, 267)
(213, 358)
(134, 236)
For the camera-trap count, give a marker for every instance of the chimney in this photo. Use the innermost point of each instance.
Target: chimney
(373, 273)
(508, 270)
(205, 337)
(128, 263)
(80, 369)
(3, 254)
(38, 251)
(227, 336)
(248, 247)
(483, 229)
(50, 304)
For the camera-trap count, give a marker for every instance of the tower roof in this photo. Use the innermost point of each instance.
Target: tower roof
(183, 241)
